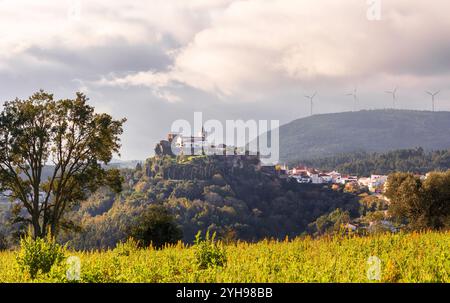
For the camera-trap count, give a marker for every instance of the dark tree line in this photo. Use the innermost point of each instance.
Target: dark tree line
(364, 164)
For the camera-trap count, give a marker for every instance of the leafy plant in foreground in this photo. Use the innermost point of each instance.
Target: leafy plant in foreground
(39, 255)
(127, 248)
(209, 253)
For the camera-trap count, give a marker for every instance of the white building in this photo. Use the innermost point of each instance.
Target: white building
(303, 179)
(364, 182)
(377, 181)
(314, 175)
(348, 179)
(335, 177)
(326, 178)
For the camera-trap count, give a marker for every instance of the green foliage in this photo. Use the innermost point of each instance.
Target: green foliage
(114, 180)
(331, 223)
(3, 242)
(127, 248)
(208, 252)
(420, 203)
(156, 227)
(370, 203)
(405, 258)
(70, 135)
(327, 135)
(237, 197)
(403, 160)
(39, 255)
(189, 189)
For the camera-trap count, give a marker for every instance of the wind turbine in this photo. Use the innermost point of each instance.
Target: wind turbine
(394, 95)
(311, 99)
(432, 97)
(355, 97)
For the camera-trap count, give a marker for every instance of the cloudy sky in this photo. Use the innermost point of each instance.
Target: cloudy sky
(160, 60)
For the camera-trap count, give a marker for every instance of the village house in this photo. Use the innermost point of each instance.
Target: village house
(304, 174)
(299, 170)
(377, 183)
(348, 179)
(300, 173)
(335, 177)
(326, 178)
(364, 182)
(314, 175)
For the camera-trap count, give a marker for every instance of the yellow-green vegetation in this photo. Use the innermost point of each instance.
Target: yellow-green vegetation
(413, 257)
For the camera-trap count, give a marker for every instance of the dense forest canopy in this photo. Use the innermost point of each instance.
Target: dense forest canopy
(379, 131)
(231, 196)
(364, 164)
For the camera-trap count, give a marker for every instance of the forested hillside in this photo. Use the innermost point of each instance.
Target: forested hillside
(233, 196)
(364, 164)
(367, 131)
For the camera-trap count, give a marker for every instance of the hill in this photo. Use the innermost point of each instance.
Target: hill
(369, 131)
(233, 196)
(404, 160)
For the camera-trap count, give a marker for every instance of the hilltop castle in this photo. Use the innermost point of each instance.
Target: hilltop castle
(177, 144)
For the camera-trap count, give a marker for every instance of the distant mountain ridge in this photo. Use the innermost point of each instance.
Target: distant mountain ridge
(368, 130)
(120, 164)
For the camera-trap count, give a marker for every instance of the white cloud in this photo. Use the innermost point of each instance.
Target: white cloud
(272, 52)
(75, 27)
(256, 47)
(158, 82)
(139, 79)
(242, 50)
(49, 23)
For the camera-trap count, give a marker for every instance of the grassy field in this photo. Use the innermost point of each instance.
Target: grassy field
(416, 257)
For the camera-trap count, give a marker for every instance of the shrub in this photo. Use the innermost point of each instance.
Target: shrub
(127, 248)
(39, 255)
(157, 227)
(208, 252)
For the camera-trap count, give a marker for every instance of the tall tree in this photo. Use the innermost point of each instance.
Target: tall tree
(66, 136)
(157, 227)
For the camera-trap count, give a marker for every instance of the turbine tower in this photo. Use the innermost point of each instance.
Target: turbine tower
(394, 95)
(433, 95)
(311, 99)
(355, 98)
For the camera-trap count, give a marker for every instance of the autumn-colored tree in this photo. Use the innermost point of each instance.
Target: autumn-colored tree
(420, 204)
(51, 155)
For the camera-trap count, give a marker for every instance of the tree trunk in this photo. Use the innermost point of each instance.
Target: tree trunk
(36, 226)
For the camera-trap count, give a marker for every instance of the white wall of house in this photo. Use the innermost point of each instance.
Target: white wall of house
(315, 178)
